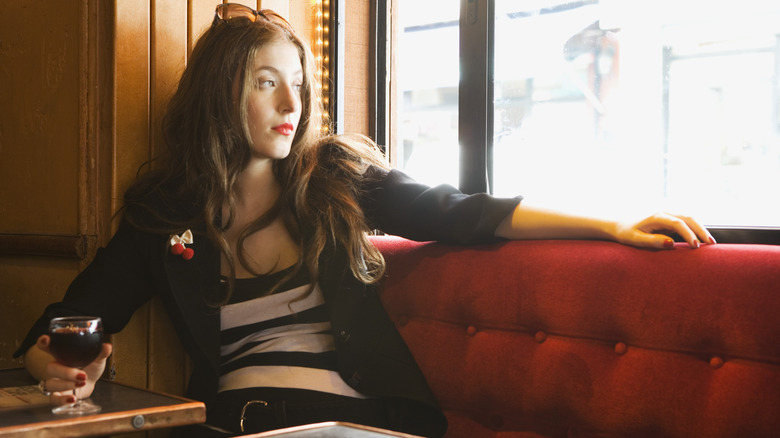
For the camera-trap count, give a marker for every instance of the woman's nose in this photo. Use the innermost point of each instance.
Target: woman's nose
(290, 99)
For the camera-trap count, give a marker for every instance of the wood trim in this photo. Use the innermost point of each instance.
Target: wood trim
(96, 142)
(44, 245)
(117, 422)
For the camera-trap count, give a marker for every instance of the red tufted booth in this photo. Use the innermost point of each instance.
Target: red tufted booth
(577, 338)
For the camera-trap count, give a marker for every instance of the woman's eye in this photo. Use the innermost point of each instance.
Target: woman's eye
(264, 83)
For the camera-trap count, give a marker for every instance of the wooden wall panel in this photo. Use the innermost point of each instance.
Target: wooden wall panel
(44, 72)
(132, 137)
(131, 104)
(39, 134)
(27, 284)
(200, 16)
(169, 44)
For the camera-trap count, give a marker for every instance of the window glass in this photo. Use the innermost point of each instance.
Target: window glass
(607, 106)
(427, 73)
(613, 106)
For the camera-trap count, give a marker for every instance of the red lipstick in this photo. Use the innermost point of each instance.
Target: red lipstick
(284, 129)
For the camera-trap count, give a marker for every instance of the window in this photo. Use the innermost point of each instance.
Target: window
(596, 106)
(427, 70)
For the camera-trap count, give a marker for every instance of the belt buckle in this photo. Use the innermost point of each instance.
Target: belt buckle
(243, 410)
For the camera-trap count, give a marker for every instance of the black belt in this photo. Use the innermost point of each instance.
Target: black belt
(256, 416)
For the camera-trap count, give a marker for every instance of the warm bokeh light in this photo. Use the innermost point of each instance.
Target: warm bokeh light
(320, 47)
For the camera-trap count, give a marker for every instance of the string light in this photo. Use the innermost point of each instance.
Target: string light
(321, 38)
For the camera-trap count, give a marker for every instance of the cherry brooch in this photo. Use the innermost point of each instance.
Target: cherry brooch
(177, 243)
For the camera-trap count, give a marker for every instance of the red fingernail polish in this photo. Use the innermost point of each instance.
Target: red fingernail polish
(696, 244)
(668, 243)
(81, 376)
(712, 241)
(80, 383)
(71, 400)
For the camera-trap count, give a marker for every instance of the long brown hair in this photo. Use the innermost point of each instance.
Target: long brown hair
(207, 139)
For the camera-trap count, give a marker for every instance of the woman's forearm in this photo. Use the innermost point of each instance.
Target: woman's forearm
(528, 222)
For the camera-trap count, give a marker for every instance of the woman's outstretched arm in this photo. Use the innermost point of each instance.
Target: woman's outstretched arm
(529, 222)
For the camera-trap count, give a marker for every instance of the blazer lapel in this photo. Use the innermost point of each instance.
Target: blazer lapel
(191, 282)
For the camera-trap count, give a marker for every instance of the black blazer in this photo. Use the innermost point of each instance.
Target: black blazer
(372, 356)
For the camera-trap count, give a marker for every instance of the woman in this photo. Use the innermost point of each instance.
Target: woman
(252, 230)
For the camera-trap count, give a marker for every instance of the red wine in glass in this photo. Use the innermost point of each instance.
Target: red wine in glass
(75, 342)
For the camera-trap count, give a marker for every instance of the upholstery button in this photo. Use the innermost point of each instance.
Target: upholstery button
(621, 348)
(540, 336)
(716, 362)
(471, 330)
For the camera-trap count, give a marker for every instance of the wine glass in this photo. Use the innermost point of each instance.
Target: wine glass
(75, 342)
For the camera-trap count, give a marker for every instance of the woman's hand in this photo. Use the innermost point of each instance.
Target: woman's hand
(61, 380)
(645, 233)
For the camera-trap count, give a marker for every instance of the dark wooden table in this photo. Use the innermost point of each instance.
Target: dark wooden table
(125, 409)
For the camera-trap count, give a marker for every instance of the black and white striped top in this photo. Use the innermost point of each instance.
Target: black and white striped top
(278, 340)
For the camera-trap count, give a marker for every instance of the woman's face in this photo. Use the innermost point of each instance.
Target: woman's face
(274, 99)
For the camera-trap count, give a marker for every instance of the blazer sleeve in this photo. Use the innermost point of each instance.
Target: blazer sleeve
(397, 204)
(114, 285)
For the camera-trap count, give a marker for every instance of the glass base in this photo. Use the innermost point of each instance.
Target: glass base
(81, 407)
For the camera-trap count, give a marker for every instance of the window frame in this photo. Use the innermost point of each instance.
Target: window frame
(475, 91)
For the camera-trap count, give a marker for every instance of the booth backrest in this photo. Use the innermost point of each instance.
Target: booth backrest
(584, 338)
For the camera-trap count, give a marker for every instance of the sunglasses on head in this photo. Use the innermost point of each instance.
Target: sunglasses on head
(232, 12)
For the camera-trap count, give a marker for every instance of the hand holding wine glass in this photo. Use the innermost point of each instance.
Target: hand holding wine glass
(75, 343)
